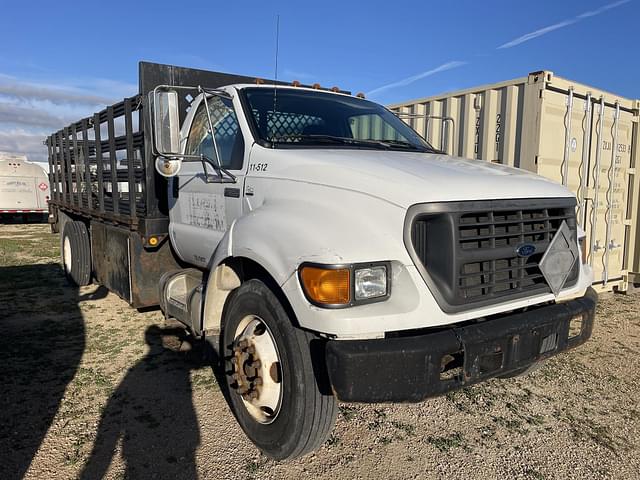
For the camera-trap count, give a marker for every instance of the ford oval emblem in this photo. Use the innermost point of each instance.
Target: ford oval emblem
(526, 250)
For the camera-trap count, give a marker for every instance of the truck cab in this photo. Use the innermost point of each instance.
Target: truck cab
(324, 250)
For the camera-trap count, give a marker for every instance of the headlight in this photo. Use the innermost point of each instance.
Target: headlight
(336, 286)
(370, 282)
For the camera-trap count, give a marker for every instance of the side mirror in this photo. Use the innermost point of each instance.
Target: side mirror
(166, 131)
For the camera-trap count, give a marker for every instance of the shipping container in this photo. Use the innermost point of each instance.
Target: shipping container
(24, 187)
(582, 137)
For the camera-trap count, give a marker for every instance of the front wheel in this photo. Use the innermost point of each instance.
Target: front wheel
(273, 391)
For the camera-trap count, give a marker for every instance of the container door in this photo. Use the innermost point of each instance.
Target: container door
(577, 149)
(610, 158)
(565, 136)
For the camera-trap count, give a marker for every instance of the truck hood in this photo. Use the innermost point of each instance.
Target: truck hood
(405, 178)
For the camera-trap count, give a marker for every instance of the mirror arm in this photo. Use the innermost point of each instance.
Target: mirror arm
(211, 129)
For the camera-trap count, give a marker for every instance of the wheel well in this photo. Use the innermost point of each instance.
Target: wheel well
(248, 269)
(225, 279)
(64, 217)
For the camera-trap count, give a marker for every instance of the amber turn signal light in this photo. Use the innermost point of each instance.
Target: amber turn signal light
(326, 286)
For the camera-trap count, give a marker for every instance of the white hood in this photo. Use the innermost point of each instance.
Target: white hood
(406, 178)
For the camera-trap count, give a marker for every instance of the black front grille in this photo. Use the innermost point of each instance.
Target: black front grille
(467, 250)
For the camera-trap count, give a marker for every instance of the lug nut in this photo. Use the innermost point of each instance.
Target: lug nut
(251, 350)
(257, 382)
(243, 344)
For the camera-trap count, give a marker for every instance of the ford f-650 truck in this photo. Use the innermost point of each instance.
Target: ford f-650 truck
(321, 247)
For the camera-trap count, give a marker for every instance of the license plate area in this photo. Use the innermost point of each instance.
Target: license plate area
(487, 357)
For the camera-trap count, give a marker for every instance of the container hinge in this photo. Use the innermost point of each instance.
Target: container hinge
(631, 171)
(627, 222)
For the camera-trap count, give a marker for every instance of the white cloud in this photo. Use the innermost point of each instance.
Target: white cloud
(538, 33)
(562, 24)
(31, 110)
(14, 88)
(21, 115)
(600, 10)
(24, 142)
(419, 76)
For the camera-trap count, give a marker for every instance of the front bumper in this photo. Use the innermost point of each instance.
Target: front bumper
(411, 368)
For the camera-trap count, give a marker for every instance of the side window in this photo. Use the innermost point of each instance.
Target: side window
(227, 133)
(367, 127)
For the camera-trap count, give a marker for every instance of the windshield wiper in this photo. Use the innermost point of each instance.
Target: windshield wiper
(410, 146)
(330, 139)
(369, 142)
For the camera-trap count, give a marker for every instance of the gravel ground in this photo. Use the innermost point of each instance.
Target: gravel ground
(92, 388)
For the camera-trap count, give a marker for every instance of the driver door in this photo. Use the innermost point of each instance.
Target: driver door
(201, 212)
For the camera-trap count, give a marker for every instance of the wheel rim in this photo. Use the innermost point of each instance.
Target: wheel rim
(257, 372)
(66, 254)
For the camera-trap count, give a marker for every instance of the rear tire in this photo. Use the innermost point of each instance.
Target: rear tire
(288, 416)
(75, 250)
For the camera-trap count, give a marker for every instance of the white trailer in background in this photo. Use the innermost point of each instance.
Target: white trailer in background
(24, 187)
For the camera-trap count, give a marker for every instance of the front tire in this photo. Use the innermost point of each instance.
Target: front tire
(75, 250)
(273, 391)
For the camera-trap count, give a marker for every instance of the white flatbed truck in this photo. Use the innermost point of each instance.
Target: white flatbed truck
(322, 248)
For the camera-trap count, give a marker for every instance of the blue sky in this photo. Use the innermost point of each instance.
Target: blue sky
(61, 61)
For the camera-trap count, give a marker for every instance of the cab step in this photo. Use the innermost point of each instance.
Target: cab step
(181, 296)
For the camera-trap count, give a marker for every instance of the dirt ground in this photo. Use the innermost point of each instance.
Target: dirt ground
(90, 388)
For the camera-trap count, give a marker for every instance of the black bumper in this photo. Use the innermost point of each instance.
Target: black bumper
(411, 368)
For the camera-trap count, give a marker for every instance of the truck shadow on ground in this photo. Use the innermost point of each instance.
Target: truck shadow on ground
(150, 417)
(149, 424)
(44, 338)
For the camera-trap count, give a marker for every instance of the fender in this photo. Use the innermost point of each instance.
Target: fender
(284, 232)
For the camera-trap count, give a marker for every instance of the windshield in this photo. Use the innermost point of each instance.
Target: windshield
(304, 119)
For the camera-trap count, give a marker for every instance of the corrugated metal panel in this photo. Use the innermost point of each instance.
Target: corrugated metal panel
(580, 136)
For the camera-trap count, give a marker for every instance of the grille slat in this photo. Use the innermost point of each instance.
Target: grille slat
(505, 235)
(475, 259)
